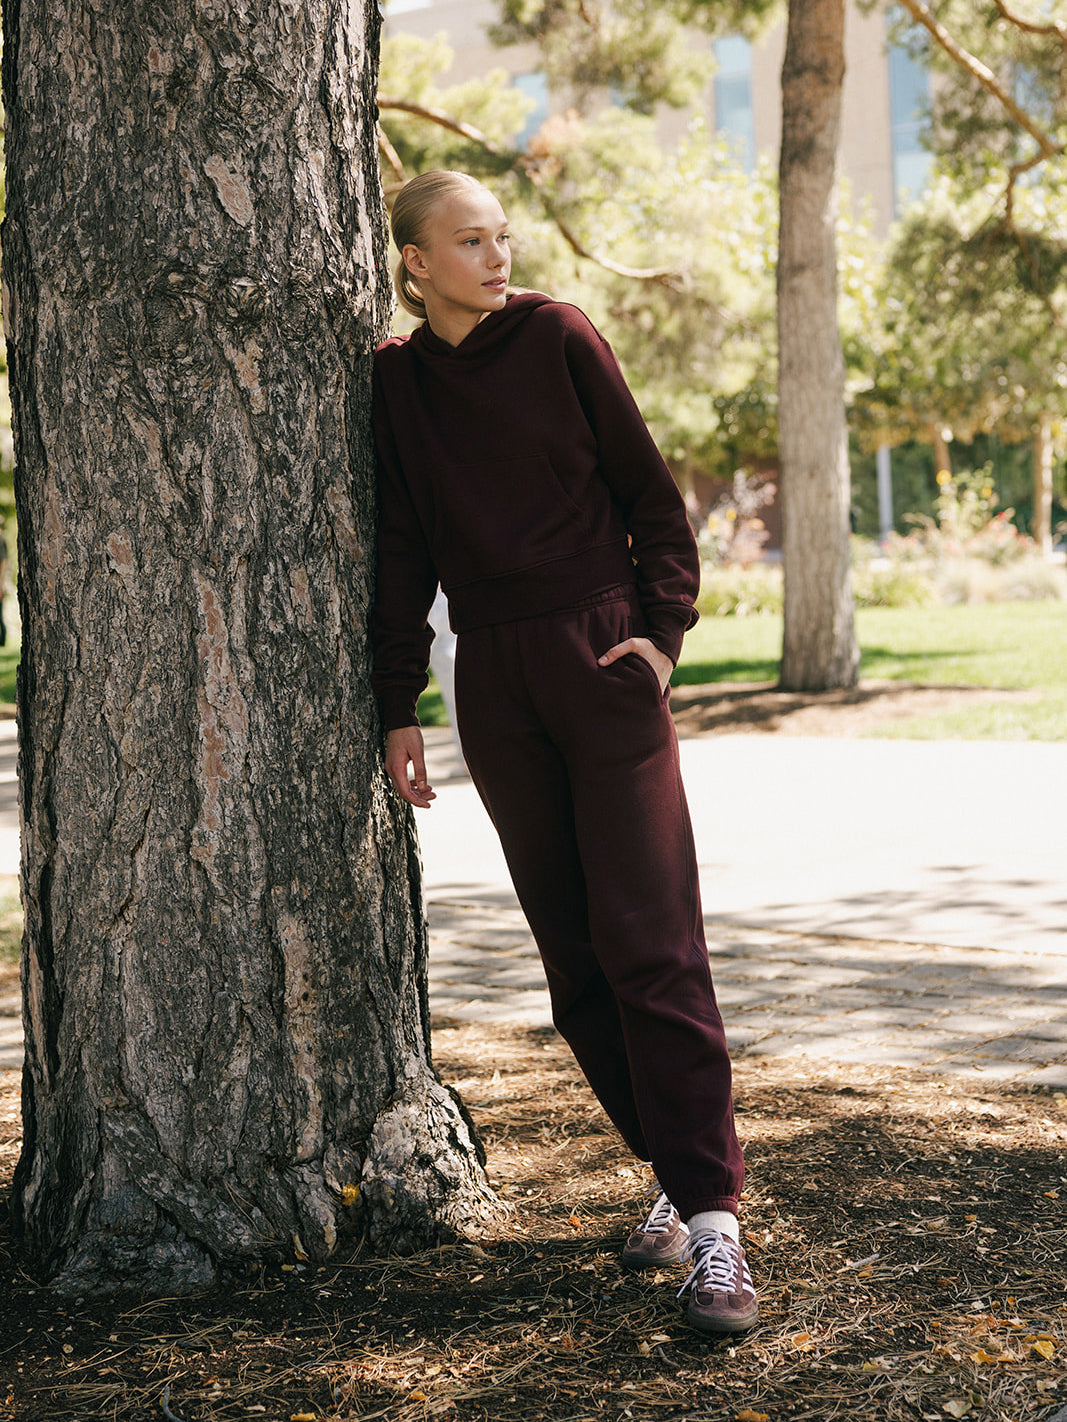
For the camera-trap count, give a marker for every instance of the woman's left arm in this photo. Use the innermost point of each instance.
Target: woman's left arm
(662, 542)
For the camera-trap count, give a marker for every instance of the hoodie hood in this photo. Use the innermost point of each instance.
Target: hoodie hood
(484, 339)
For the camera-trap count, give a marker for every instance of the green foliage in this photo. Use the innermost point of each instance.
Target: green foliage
(692, 339)
(888, 582)
(736, 591)
(9, 666)
(638, 50)
(974, 288)
(965, 338)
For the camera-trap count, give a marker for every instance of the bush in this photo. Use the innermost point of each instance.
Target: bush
(891, 583)
(734, 534)
(739, 592)
(964, 580)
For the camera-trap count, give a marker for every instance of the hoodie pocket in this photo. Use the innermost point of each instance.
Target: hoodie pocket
(499, 516)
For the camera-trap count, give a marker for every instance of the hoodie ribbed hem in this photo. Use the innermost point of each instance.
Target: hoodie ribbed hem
(547, 587)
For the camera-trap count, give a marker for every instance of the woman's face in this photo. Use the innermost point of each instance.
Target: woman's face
(464, 261)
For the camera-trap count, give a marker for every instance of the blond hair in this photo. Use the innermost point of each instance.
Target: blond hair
(409, 218)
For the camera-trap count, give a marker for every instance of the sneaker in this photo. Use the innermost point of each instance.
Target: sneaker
(660, 1239)
(722, 1298)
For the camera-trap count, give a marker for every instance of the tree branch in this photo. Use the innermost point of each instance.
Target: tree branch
(527, 166)
(1028, 26)
(445, 120)
(391, 156)
(983, 74)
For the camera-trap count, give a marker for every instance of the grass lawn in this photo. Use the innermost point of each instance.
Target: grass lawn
(10, 920)
(1001, 645)
(9, 665)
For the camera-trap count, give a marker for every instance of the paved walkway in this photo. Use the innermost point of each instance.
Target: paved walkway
(881, 901)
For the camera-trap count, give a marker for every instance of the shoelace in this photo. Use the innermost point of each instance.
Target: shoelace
(659, 1219)
(714, 1262)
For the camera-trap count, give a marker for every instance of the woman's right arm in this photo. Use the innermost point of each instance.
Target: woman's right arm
(405, 590)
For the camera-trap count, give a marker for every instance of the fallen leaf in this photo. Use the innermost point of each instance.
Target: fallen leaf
(1043, 1348)
(660, 1338)
(417, 1395)
(644, 1349)
(574, 1222)
(303, 1417)
(956, 1407)
(349, 1194)
(748, 1415)
(299, 1250)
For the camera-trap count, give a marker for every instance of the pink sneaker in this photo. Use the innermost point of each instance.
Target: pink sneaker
(660, 1239)
(722, 1298)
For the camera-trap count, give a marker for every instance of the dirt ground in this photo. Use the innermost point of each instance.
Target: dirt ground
(738, 708)
(908, 1236)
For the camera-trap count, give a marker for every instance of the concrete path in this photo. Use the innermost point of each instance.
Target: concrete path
(883, 901)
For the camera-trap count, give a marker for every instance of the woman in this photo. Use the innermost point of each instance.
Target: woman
(516, 470)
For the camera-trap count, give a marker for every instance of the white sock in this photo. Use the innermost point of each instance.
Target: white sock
(722, 1220)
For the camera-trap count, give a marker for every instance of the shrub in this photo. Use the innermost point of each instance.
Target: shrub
(892, 583)
(734, 533)
(739, 592)
(963, 580)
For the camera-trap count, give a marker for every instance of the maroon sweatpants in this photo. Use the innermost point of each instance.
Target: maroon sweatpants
(578, 766)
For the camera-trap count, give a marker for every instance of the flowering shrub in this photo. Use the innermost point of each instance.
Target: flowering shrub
(734, 534)
(968, 553)
(966, 525)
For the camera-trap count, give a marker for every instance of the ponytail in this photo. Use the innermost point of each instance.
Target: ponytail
(407, 291)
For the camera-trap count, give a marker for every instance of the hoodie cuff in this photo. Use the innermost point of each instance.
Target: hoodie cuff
(667, 633)
(397, 710)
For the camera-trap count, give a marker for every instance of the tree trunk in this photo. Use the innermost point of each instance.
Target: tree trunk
(819, 650)
(1041, 523)
(227, 1036)
(942, 453)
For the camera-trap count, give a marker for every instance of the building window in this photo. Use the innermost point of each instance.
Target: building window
(534, 86)
(909, 97)
(733, 97)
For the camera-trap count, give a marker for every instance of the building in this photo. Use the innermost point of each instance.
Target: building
(885, 92)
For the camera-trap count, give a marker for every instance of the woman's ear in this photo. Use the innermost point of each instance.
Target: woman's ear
(413, 260)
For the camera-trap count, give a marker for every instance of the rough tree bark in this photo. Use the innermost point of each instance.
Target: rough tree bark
(819, 650)
(224, 966)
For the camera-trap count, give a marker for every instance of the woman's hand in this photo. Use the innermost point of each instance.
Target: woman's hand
(404, 748)
(659, 661)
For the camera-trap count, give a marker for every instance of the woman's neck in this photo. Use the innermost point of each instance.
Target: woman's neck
(453, 327)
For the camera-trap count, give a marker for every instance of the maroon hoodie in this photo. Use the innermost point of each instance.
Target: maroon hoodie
(516, 470)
